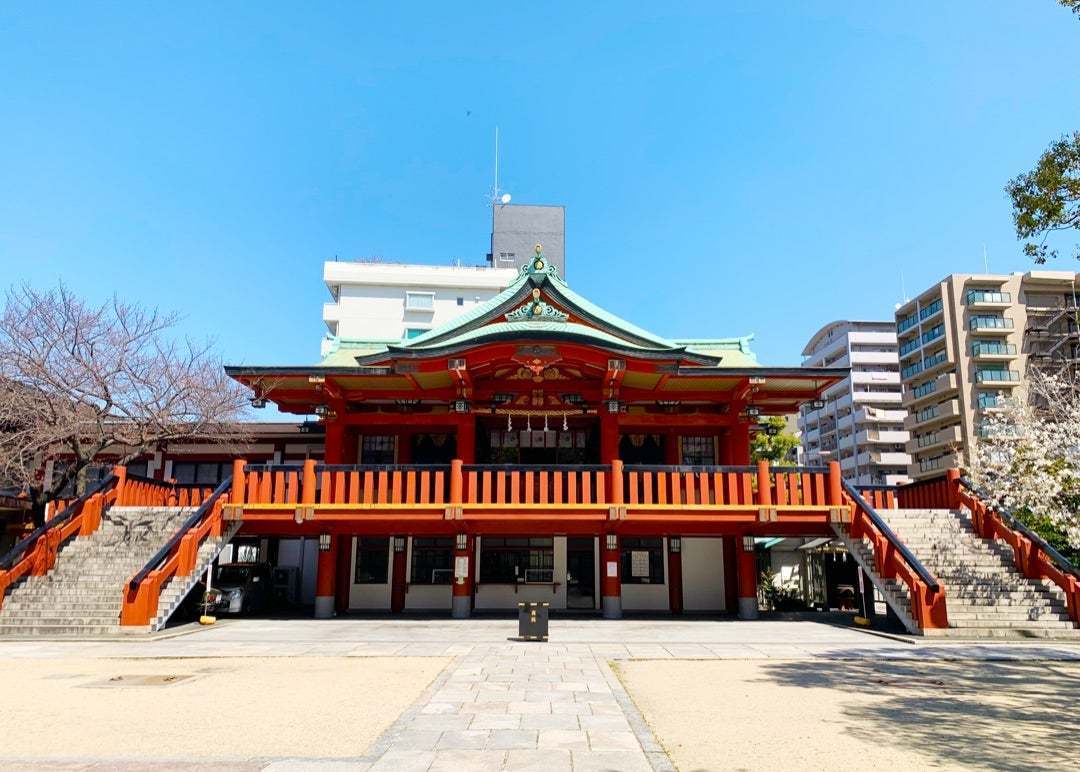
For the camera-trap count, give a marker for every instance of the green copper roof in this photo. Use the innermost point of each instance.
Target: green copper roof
(343, 351)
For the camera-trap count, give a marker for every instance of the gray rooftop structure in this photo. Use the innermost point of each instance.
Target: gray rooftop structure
(517, 228)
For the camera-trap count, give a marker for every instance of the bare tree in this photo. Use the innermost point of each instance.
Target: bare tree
(78, 381)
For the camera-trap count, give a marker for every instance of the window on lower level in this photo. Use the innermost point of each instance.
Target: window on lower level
(378, 449)
(414, 332)
(372, 560)
(699, 451)
(517, 559)
(199, 472)
(642, 560)
(432, 560)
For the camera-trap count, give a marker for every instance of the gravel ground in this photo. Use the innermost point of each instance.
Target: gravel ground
(814, 714)
(229, 708)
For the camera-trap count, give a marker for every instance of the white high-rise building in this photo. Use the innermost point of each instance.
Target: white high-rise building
(861, 423)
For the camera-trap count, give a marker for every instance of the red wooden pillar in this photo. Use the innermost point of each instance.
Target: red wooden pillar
(404, 447)
(739, 441)
(671, 449)
(731, 574)
(398, 581)
(466, 439)
(334, 452)
(725, 449)
(674, 570)
(610, 579)
(344, 573)
(326, 577)
(609, 436)
(747, 578)
(461, 598)
(351, 441)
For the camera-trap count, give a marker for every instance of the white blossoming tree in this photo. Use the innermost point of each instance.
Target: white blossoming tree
(1029, 456)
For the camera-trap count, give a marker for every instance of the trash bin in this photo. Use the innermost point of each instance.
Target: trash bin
(533, 621)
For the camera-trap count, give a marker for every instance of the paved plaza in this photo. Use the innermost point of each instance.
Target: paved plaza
(405, 694)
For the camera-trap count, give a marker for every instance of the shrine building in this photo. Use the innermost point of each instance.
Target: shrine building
(536, 447)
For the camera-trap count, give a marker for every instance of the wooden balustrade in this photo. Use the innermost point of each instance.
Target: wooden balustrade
(892, 560)
(880, 496)
(36, 554)
(276, 491)
(549, 485)
(177, 558)
(1034, 558)
(382, 485)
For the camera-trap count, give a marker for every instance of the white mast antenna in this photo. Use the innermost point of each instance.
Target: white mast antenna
(986, 263)
(903, 290)
(495, 190)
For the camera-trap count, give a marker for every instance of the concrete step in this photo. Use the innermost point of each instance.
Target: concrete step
(1015, 615)
(1004, 633)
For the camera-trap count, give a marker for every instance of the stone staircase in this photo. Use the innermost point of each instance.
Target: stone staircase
(83, 593)
(986, 596)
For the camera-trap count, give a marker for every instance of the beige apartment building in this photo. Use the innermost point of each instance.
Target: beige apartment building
(965, 345)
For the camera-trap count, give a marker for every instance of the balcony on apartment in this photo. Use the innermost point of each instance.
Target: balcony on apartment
(990, 324)
(932, 414)
(998, 377)
(876, 397)
(867, 414)
(946, 437)
(936, 465)
(883, 458)
(887, 378)
(927, 390)
(889, 436)
(992, 351)
(871, 358)
(988, 299)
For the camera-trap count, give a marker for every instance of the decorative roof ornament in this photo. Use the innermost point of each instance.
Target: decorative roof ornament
(539, 265)
(536, 310)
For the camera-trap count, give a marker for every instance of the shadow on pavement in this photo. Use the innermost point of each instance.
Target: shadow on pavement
(1010, 714)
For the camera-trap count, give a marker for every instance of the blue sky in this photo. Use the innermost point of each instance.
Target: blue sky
(727, 168)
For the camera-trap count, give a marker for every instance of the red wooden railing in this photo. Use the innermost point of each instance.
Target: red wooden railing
(35, 555)
(565, 486)
(569, 487)
(178, 557)
(1034, 558)
(892, 560)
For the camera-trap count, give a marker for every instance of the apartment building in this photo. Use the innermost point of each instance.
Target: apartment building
(860, 420)
(965, 346)
(374, 302)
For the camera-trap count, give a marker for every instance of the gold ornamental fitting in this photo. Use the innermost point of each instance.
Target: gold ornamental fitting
(539, 248)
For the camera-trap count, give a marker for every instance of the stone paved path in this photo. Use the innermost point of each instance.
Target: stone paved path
(526, 706)
(504, 704)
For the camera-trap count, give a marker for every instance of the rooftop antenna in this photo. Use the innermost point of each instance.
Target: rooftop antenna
(986, 263)
(903, 290)
(495, 197)
(495, 190)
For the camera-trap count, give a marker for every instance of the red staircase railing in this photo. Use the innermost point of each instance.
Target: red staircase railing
(892, 560)
(177, 557)
(1034, 557)
(35, 555)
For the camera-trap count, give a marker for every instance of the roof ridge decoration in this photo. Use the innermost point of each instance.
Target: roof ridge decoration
(539, 265)
(536, 310)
